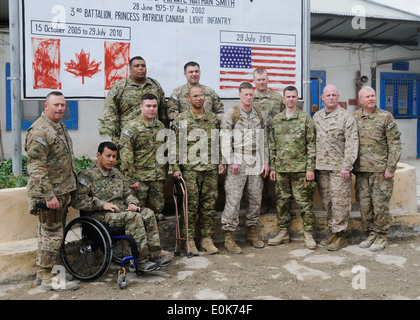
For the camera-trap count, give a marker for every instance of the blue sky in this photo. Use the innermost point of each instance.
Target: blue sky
(412, 6)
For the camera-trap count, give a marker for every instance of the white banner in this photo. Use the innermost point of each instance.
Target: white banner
(82, 47)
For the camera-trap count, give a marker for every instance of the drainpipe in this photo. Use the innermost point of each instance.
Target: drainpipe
(15, 86)
(306, 55)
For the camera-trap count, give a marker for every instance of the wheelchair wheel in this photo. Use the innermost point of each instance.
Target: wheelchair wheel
(86, 249)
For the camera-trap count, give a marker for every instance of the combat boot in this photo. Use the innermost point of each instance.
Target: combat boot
(254, 237)
(193, 248)
(282, 237)
(208, 245)
(368, 241)
(380, 243)
(328, 241)
(309, 240)
(41, 272)
(230, 244)
(339, 242)
(53, 282)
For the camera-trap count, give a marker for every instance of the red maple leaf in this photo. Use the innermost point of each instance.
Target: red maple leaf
(83, 68)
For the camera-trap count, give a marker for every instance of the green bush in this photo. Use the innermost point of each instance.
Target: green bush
(9, 180)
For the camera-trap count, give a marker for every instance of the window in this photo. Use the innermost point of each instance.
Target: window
(400, 94)
(32, 109)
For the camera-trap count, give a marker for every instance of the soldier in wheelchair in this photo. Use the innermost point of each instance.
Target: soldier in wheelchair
(103, 194)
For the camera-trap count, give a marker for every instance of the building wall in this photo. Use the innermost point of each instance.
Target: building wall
(340, 61)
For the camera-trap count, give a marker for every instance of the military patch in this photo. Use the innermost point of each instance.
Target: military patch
(127, 132)
(174, 96)
(84, 182)
(112, 92)
(41, 141)
(391, 125)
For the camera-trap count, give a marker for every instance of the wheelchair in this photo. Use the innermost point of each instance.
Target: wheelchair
(89, 247)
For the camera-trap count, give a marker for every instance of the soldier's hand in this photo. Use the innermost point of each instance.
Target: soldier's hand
(345, 174)
(177, 175)
(234, 169)
(53, 204)
(135, 186)
(389, 175)
(222, 168)
(111, 207)
(273, 176)
(133, 207)
(310, 176)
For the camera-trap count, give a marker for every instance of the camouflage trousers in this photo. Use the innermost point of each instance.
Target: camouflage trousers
(151, 196)
(294, 185)
(142, 226)
(373, 192)
(50, 233)
(235, 185)
(336, 196)
(202, 196)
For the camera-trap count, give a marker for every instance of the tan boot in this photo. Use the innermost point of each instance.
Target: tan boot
(339, 242)
(208, 245)
(309, 240)
(54, 282)
(254, 237)
(328, 241)
(368, 241)
(230, 244)
(282, 237)
(193, 248)
(380, 243)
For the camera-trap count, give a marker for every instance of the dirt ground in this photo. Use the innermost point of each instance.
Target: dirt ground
(286, 272)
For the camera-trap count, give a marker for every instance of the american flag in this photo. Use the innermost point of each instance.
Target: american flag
(237, 64)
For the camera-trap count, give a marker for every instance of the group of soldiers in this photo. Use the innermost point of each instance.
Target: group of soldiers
(266, 137)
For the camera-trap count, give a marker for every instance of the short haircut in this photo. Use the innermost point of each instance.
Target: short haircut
(290, 88)
(194, 87)
(260, 71)
(53, 93)
(148, 96)
(136, 58)
(245, 85)
(368, 88)
(191, 64)
(107, 144)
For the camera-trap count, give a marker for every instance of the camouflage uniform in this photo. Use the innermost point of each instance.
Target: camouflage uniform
(270, 104)
(122, 105)
(95, 187)
(380, 150)
(337, 145)
(138, 153)
(292, 154)
(200, 177)
(250, 153)
(52, 173)
(178, 101)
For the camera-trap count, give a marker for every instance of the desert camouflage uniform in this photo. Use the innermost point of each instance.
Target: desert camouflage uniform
(380, 150)
(201, 174)
(292, 154)
(250, 153)
(52, 173)
(178, 101)
(122, 105)
(337, 146)
(139, 162)
(95, 187)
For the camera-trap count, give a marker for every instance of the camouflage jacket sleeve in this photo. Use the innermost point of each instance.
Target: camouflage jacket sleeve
(351, 149)
(272, 149)
(37, 150)
(226, 132)
(111, 123)
(393, 136)
(83, 198)
(126, 144)
(310, 146)
(162, 107)
(173, 105)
